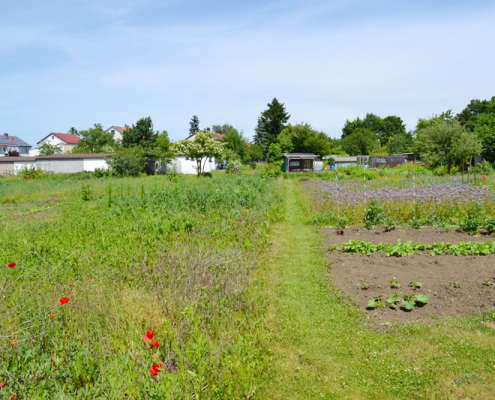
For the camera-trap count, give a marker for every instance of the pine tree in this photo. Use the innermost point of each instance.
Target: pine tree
(274, 120)
(260, 135)
(194, 123)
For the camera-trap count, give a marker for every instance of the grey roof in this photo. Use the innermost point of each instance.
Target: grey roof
(345, 159)
(74, 156)
(5, 141)
(300, 155)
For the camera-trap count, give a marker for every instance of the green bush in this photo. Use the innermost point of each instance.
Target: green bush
(271, 171)
(252, 165)
(129, 161)
(31, 173)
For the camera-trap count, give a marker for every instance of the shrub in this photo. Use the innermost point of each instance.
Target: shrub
(374, 214)
(31, 173)
(252, 165)
(271, 171)
(233, 167)
(129, 161)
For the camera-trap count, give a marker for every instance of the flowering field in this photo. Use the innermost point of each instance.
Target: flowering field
(428, 202)
(139, 288)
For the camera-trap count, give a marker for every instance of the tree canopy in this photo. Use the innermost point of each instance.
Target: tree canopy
(447, 143)
(95, 140)
(200, 149)
(273, 121)
(361, 141)
(382, 128)
(47, 149)
(141, 134)
(302, 138)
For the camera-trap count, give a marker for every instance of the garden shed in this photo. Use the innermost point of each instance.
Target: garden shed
(344, 162)
(299, 162)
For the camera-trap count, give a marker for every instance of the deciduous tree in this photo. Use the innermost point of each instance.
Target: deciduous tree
(47, 149)
(361, 142)
(200, 149)
(95, 140)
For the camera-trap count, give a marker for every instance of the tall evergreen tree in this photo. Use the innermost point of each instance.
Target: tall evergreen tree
(194, 125)
(260, 135)
(274, 120)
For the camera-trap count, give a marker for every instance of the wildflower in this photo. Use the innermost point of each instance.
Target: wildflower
(13, 341)
(149, 336)
(12, 265)
(155, 369)
(2, 384)
(13, 397)
(89, 280)
(63, 300)
(70, 284)
(154, 344)
(52, 315)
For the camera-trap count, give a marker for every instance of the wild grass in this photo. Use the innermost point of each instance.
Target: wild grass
(179, 258)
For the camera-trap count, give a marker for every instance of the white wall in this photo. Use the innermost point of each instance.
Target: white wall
(90, 164)
(189, 167)
(53, 140)
(18, 165)
(117, 135)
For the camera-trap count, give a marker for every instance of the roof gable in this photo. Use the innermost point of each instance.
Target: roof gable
(66, 137)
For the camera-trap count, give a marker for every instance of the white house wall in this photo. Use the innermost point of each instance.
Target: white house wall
(90, 164)
(189, 167)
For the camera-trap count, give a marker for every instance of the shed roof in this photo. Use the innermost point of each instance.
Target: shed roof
(345, 159)
(301, 155)
(74, 156)
(4, 160)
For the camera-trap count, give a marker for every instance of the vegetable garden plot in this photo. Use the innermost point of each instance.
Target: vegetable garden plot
(453, 285)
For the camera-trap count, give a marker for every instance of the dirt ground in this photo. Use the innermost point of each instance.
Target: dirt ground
(436, 273)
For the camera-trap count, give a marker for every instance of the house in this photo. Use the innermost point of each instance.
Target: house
(217, 136)
(301, 162)
(117, 132)
(66, 141)
(56, 163)
(13, 144)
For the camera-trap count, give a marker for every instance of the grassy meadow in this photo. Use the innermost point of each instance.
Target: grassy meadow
(176, 257)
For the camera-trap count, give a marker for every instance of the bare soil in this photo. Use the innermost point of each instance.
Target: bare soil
(436, 273)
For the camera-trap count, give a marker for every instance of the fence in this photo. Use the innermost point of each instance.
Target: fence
(389, 161)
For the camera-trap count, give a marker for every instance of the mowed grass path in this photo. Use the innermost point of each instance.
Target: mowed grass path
(322, 347)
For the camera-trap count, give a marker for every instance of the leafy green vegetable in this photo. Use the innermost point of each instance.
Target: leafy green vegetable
(416, 284)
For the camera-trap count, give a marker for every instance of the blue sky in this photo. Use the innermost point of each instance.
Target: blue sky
(73, 63)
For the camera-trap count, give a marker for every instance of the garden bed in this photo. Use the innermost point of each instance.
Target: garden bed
(436, 273)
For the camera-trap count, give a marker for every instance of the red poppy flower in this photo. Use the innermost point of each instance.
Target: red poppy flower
(63, 300)
(13, 341)
(13, 397)
(153, 371)
(12, 265)
(149, 336)
(2, 384)
(89, 280)
(52, 315)
(154, 344)
(70, 284)
(157, 367)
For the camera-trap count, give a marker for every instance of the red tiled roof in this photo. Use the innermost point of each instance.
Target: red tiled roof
(68, 138)
(120, 128)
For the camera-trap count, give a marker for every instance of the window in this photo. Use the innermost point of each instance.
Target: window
(113, 131)
(53, 137)
(307, 164)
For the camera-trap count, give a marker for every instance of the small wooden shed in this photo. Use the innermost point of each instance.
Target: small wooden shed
(299, 162)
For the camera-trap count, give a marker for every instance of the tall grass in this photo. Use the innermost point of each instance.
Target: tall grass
(134, 255)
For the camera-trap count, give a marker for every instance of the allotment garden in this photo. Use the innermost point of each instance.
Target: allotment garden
(350, 284)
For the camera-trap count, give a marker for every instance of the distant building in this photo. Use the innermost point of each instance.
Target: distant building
(12, 144)
(301, 162)
(66, 141)
(216, 135)
(56, 163)
(117, 132)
